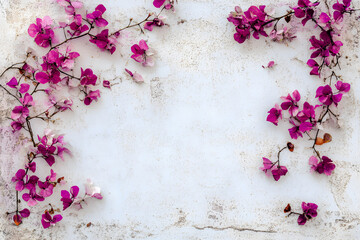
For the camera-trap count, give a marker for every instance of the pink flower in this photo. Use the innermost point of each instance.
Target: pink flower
(157, 22)
(305, 9)
(135, 76)
(326, 96)
(77, 27)
(308, 113)
(16, 126)
(46, 189)
(13, 83)
(65, 105)
(142, 53)
(159, 3)
(92, 191)
(325, 166)
(96, 16)
(19, 113)
(283, 35)
(42, 32)
(278, 172)
(18, 217)
(106, 84)
(104, 42)
(48, 221)
(268, 166)
(342, 87)
(274, 115)
(315, 67)
(253, 21)
(32, 198)
(290, 102)
(19, 180)
(91, 96)
(340, 9)
(69, 197)
(298, 129)
(70, 6)
(309, 212)
(52, 76)
(87, 77)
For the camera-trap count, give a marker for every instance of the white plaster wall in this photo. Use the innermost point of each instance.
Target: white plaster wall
(178, 157)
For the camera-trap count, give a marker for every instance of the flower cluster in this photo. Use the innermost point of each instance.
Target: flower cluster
(309, 212)
(325, 48)
(304, 118)
(251, 22)
(274, 168)
(310, 117)
(56, 76)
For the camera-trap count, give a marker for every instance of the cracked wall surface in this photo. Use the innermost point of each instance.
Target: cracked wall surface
(178, 157)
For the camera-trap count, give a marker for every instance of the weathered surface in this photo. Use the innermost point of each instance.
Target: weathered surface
(178, 156)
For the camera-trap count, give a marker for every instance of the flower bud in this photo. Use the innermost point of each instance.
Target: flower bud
(290, 146)
(287, 208)
(327, 138)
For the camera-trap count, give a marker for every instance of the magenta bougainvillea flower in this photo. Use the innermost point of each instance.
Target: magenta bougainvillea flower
(274, 115)
(142, 54)
(254, 20)
(91, 96)
(299, 128)
(340, 9)
(157, 22)
(283, 35)
(169, 4)
(46, 189)
(52, 76)
(305, 9)
(325, 166)
(13, 83)
(50, 146)
(342, 87)
(70, 6)
(273, 169)
(308, 113)
(326, 96)
(290, 102)
(19, 180)
(48, 221)
(278, 172)
(106, 84)
(77, 27)
(87, 77)
(42, 31)
(96, 16)
(69, 197)
(268, 166)
(314, 67)
(310, 211)
(31, 166)
(104, 41)
(19, 114)
(135, 76)
(324, 47)
(19, 216)
(32, 198)
(92, 191)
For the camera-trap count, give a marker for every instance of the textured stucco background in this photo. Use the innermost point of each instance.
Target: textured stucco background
(178, 157)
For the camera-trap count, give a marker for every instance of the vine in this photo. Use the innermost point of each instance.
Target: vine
(324, 61)
(51, 77)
